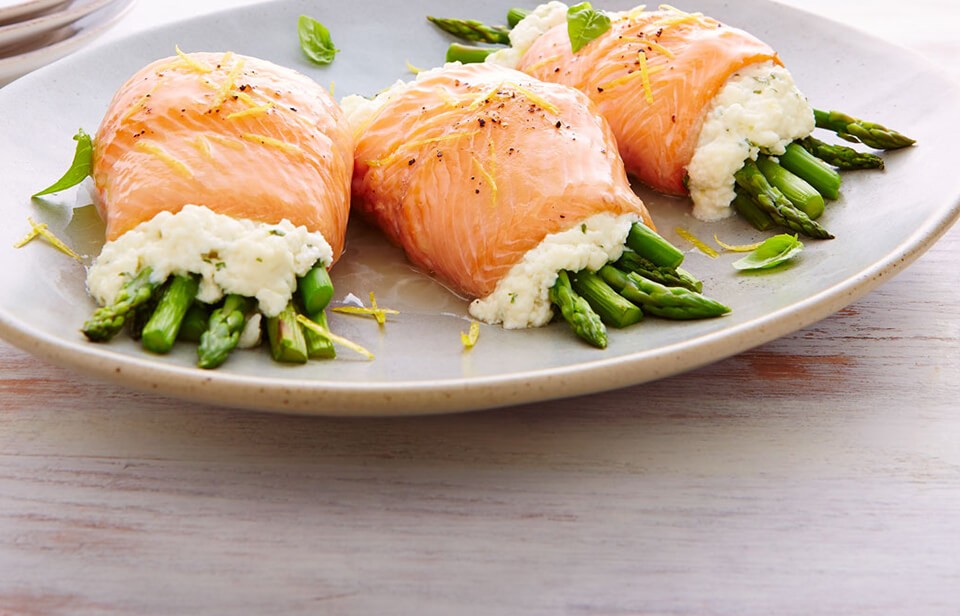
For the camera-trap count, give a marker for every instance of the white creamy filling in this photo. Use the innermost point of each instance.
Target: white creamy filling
(521, 298)
(232, 256)
(758, 109)
(526, 33)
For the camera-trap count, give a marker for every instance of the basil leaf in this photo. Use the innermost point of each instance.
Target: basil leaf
(773, 252)
(79, 168)
(585, 24)
(315, 40)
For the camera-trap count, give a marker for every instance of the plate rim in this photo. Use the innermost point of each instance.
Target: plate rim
(396, 398)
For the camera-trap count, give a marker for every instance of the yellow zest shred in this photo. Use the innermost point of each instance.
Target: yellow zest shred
(42, 230)
(542, 63)
(416, 70)
(252, 111)
(448, 99)
(333, 88)
(682, 17)
(653, 45)
(415, 144)
(641, 74)
(734, 247)
(233, 144)
(326, 333)
(484, 97)
(536, 99)
(697, 243)
(228, 84)
(374, 311)
(270, 142)
(533, 97)
(199, 67)
(637, 11)
(150, 147)
(140, 104)
(645, 76)
(469, 339)
(246, 99)
(488, 176)
(203, 146)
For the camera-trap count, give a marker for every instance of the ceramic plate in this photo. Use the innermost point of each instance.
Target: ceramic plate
(24, 31)
(883, 222)
(55, 44)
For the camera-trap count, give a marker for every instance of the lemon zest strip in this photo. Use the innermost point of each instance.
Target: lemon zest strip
(154, 149)
(196, 66)
(697, 243)
(735, 247)
(326, 333)
(42, 230)
(469, 339)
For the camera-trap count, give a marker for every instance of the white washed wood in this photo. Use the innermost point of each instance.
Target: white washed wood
(818, 474)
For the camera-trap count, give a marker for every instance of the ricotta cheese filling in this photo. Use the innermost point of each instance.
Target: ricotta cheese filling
(526, 33)
(232, 256)
(759, 109)
(522, 298)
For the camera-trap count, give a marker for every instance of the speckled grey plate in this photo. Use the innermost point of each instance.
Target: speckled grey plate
(883, 222)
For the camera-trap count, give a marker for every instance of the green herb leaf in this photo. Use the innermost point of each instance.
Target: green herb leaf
(773, 252)
(585, 24)
(79, 168)
(315, 40)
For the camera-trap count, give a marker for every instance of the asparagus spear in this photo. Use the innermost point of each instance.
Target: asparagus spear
(577, 312)
(467, 54)
(223, 332)
(162, 329)
(107, 321)
(815, 171)
(840, 156)
(670, 277)
(194, 323)
(775, 204)
(859, 131)
(648, 244)
(613, 309)
(668, 302)
(515, 16)
(138, 318)
(750, 211)
(800, 193)
(319, 347)
(287, 342)
(473, 30)
(315, 290)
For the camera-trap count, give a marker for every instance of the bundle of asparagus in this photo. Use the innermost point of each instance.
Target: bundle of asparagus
(646, 279)
(159, 314)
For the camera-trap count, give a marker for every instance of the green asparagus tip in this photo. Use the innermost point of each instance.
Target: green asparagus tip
(467, 54)
(473, 30)
(859, 131)
(107, 321)
(577, 312)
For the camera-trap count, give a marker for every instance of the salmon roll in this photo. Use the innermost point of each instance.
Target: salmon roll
(688, 98)
(224, 169)
(225, 166)
(493, 182)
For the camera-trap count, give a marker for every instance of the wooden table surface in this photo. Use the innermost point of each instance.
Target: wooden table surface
(827, 485)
